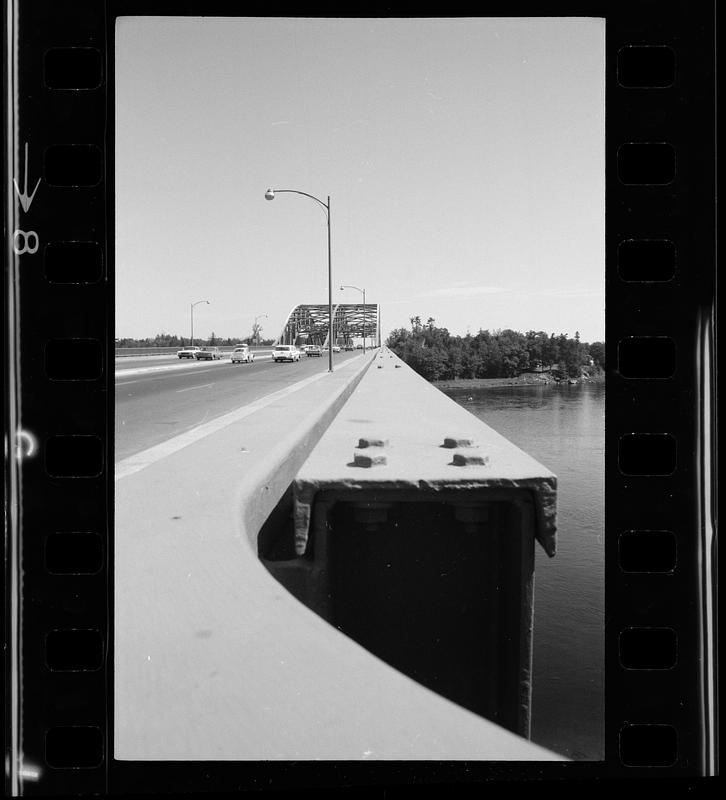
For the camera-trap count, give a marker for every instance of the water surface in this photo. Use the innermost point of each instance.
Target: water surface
(563, 427)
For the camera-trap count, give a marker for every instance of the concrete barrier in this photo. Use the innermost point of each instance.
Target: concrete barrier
(214, 659)
(414, 531)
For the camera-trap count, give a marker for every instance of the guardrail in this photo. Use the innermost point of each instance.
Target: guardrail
(214, 659)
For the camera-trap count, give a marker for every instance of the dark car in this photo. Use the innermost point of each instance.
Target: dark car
(208, 354)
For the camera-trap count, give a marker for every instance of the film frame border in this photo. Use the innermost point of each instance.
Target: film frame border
(64, 493)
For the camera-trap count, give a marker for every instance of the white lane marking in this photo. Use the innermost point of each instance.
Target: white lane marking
(132, 464)
(176, 367)
(189, 388)
(138, 380)
(123, 374)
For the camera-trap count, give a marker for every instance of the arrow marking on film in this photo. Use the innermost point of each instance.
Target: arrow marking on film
(25, 201)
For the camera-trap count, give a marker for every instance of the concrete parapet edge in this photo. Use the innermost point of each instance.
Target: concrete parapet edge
(424, 448)
(414, 419)
(214, 660)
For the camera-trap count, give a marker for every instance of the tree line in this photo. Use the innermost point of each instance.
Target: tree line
(437, 355)
(172, 340)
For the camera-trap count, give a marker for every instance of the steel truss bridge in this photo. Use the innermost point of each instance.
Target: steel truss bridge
(308, 324)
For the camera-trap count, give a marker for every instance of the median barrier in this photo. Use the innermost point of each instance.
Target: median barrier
(414, 526)
(214, 659)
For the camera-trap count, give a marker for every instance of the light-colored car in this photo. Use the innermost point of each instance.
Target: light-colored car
(188, 352)
(313, 350)
(208, 354)
(336, 348)
(242, 354)
(285, 352)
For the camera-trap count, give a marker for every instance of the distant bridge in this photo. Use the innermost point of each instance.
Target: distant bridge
(308, 324)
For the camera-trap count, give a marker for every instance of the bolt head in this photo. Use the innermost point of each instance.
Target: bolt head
(458, 441)
(372, 441)
(469, 459)
(363, 459)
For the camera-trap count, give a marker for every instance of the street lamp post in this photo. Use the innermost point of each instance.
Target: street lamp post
(257, 332)
(270, 195)
(365, 312)
(191, 314)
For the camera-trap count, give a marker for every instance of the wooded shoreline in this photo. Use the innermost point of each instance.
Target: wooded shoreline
(505, 355)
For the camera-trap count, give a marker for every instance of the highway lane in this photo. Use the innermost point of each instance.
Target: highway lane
(152, 407)
(136, 362)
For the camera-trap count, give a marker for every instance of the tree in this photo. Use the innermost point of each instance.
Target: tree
(536, 344)
(397, 339)
(550, 351)
(514, 354)
(256, 330)
(456, 358)
(597, 353)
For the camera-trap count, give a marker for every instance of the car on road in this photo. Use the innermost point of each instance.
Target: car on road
(336, 348)
(285, 352)
(188, 352)
(313, 350)
(349, 347)
(242, 354)
(208, 354)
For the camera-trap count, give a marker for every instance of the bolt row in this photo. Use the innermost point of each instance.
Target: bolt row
(370, 452)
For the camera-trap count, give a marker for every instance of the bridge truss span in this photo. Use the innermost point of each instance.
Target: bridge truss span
(352, 322)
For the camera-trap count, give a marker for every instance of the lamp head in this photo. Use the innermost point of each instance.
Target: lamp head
(270, 194)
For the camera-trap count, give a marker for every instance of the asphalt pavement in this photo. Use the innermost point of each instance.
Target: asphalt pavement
(156, 401)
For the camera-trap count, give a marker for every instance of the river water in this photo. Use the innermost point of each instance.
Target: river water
(563, 427)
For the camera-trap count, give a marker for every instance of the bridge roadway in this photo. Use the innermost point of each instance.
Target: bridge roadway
(160, 397)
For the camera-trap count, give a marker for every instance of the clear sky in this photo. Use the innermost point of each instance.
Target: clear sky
(464, 159)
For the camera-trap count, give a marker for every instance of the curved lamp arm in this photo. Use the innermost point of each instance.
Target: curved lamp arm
(270, 195)
(365, 311)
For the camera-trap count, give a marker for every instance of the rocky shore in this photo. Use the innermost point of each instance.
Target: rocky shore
(525, 379)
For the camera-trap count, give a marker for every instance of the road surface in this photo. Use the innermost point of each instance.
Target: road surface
(158, 398)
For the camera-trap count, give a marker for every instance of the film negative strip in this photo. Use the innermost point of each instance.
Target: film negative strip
(661, 716)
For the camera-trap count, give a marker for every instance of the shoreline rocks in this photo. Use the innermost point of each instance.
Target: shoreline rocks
(526, 379)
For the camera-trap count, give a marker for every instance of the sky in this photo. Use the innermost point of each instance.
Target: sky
(464, 160)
